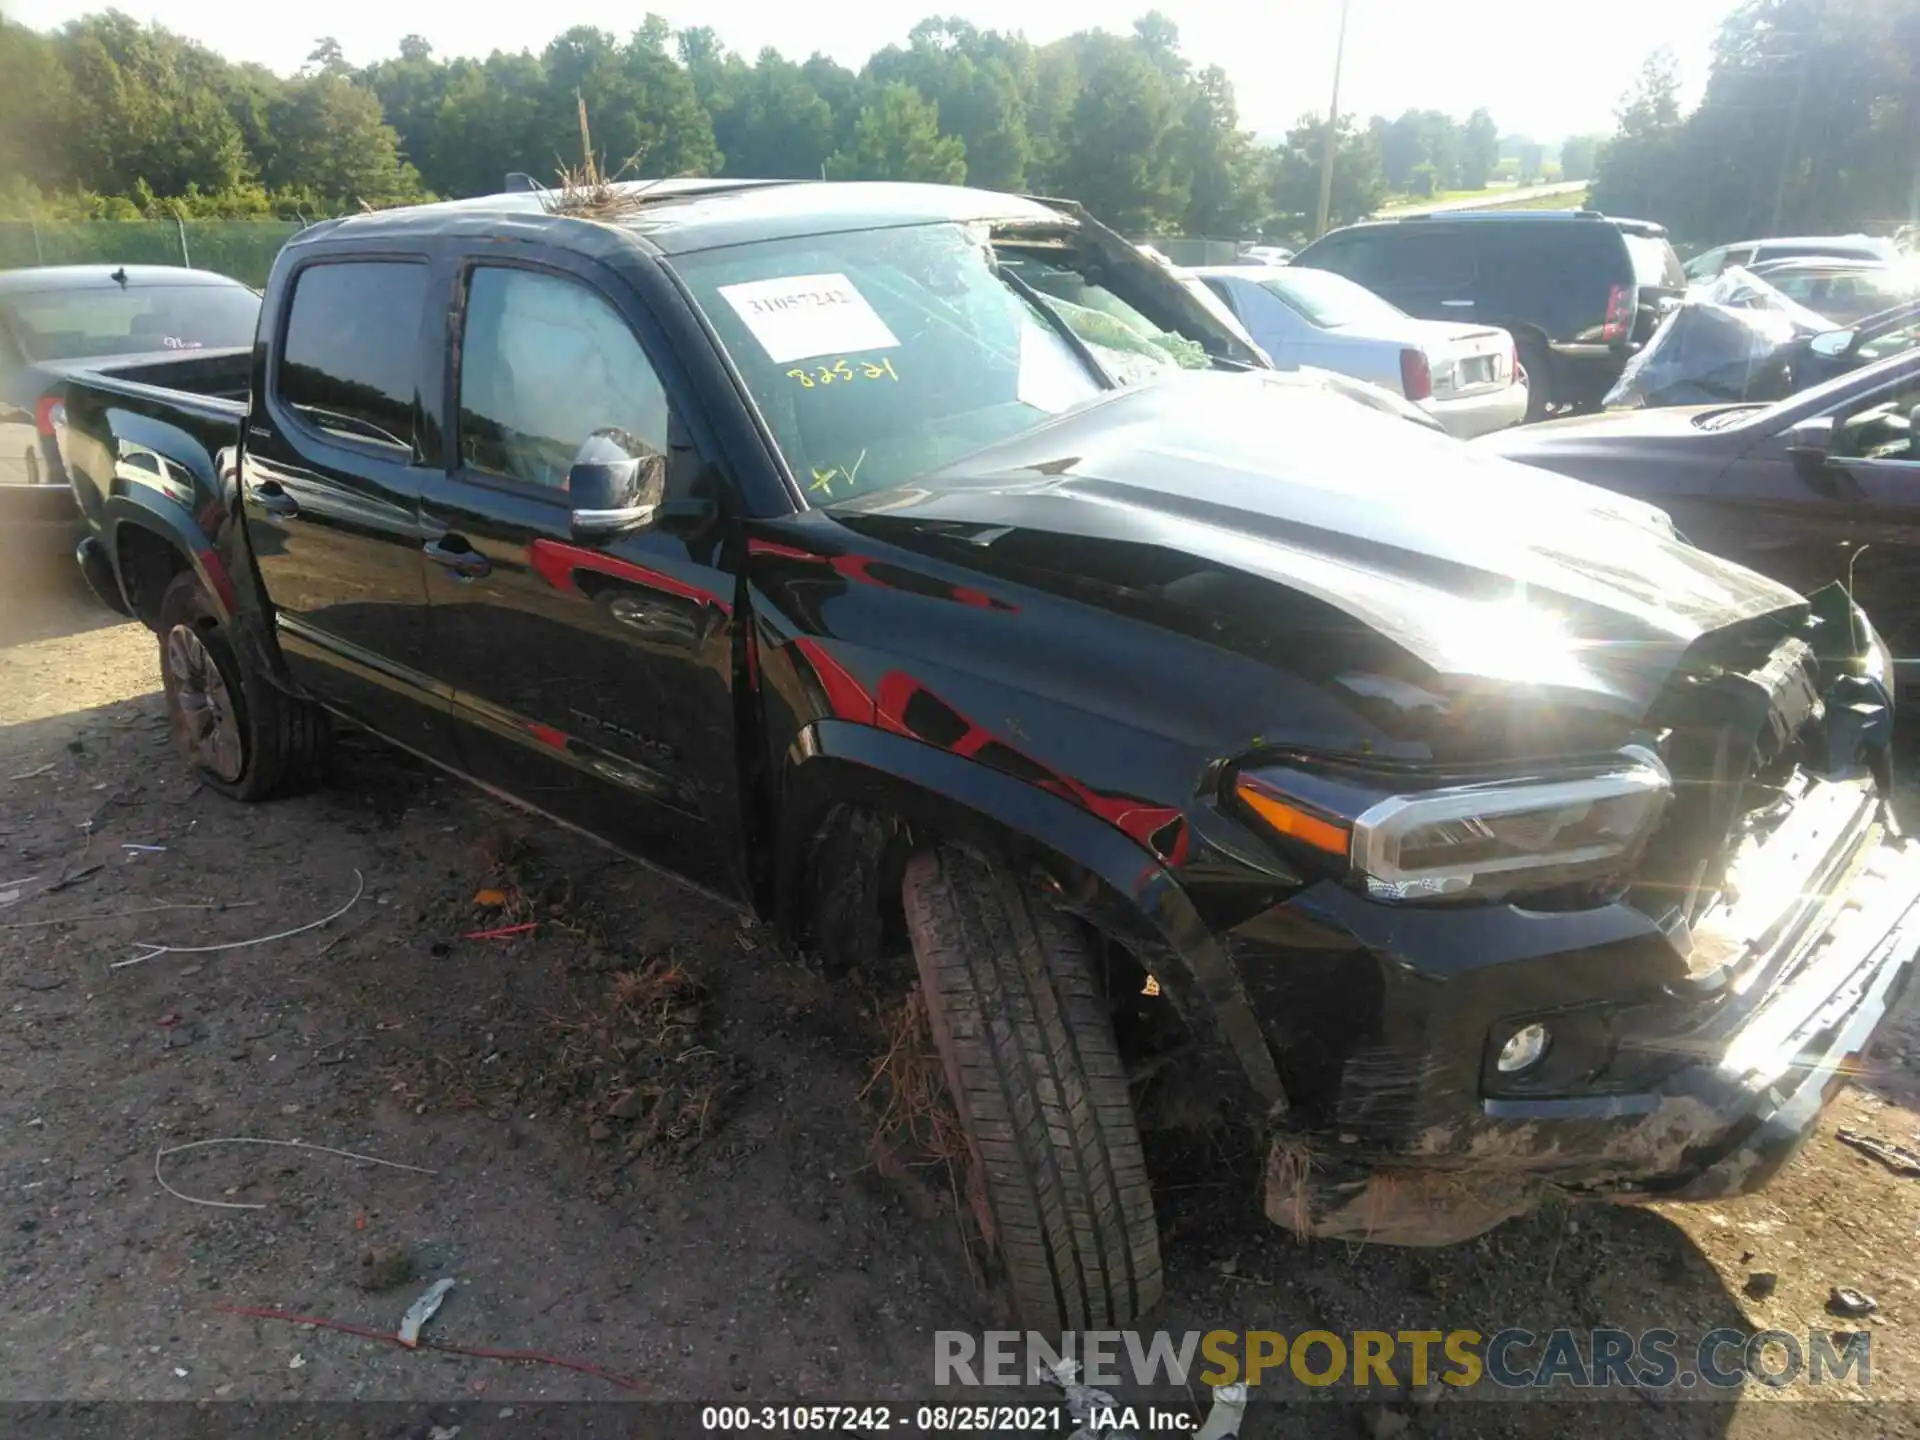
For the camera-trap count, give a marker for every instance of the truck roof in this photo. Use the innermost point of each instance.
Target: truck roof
(682, 215)
(78, 277)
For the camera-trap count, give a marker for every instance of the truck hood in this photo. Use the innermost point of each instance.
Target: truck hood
(1229, 497)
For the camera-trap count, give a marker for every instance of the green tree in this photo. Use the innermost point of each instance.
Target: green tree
(1118, 160)
(331, 142)
(1479, 150)
(1216, 159)
(36, 109)
(1577, 155)
(898, 138)
(1293, 176)
(147, 106)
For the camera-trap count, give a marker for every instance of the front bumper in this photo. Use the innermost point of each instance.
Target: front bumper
(1705, 1077)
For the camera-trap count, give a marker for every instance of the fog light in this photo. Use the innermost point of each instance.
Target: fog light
(1523, 1050)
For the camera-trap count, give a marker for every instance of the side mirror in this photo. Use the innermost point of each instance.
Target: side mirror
(616, 483)
(1832, 343)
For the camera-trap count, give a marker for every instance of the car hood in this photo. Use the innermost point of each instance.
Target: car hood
(1610, 429)
(1245, 492)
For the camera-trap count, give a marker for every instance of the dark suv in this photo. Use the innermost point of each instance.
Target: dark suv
(1579, 291)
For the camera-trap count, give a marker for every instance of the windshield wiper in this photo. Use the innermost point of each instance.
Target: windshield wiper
(1057, 323)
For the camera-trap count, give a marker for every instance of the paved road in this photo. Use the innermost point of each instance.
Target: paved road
(1492, 201)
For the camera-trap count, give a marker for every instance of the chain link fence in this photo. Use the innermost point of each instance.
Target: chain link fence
(243, 249)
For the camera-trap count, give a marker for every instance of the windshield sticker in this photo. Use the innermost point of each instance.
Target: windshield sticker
(842, 370)
(800, 316)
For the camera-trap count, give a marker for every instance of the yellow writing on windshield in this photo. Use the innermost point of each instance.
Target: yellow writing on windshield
(843, 370)
(825, 475)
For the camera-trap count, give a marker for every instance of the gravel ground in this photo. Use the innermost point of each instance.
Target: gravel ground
(648, 1146)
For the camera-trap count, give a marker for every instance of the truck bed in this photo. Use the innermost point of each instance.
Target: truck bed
(207, 383)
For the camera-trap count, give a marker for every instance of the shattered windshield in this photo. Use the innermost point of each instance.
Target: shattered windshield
(876, 356)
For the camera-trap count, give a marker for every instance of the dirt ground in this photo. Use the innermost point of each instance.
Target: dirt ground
(645, 1126)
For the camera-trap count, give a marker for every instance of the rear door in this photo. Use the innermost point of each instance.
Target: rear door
(1428, 272)
(332, 470)
(591, 677)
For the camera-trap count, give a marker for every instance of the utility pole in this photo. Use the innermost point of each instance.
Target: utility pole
(1328, 150)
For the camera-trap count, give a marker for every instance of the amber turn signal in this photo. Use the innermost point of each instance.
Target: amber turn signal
(1288, 819)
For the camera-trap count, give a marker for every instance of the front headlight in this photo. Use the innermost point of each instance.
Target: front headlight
(1476, 841)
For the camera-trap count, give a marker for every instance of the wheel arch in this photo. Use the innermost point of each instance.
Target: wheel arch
(1094, 870)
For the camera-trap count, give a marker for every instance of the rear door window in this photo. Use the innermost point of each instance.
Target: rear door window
(350, 363)
(1439, 260)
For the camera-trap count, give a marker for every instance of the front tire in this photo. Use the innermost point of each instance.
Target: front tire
(240, 734)
(1034, 1072)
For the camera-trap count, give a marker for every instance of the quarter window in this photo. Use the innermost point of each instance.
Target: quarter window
(350, 365)
(544, 364)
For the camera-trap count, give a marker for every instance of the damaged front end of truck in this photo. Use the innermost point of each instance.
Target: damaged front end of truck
(1663, 1015)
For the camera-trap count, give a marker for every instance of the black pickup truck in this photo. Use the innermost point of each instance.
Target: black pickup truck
(931, 573)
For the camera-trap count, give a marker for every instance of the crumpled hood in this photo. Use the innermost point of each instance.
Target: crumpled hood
(1482, 569)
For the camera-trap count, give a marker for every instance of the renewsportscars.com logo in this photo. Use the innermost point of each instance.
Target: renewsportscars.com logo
(1575, 1361)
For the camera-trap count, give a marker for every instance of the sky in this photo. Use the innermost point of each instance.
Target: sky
(1544, 68)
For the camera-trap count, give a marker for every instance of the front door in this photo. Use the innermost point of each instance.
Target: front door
(334, 461)
(1849, 512)
(591, 677)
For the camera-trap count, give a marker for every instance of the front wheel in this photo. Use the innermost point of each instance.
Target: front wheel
(1034, 1072)
(240, 734)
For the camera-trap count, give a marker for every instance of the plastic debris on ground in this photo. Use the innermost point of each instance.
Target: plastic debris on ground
(1897, 1158)
(421, 1311)
(1850, 1304)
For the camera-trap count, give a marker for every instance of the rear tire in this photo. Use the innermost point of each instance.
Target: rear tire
(1540, 399)
(1034, 1072)
(240, 734)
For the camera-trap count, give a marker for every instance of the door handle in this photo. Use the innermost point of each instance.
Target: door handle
(270, 497)
(461, 558)
(1458, 304)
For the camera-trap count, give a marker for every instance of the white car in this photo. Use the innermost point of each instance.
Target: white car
(1468, 377)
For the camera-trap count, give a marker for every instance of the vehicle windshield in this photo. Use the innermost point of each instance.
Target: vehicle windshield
(97, 321)
(877, 356)
(1328, 300)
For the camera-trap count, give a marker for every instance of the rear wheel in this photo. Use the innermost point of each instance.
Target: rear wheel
(1035, 1076)
(1533, 357)
(241, 735)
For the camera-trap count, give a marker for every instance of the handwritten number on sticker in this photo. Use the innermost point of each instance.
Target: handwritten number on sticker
(844, 369)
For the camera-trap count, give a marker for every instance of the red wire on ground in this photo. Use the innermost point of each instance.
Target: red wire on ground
(267, 1312)
(502, 932)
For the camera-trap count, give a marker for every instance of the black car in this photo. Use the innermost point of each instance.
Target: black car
(1578, 291)
(1157, 716)
(1822, 487)
(59, 313)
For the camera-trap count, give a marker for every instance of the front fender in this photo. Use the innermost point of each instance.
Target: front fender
(1101, 871)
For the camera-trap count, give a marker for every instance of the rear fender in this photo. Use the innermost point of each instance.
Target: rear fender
(1096, 870)
(163, 480)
